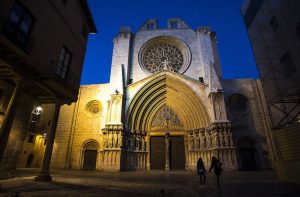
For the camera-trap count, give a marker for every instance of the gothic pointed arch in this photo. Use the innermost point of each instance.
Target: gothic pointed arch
(166, 89)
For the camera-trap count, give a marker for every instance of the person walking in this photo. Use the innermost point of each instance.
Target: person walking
(216, 165)
(201, 172)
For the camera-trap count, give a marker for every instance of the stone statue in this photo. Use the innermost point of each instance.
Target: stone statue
(220, 138)
(191, 142)
(120, 139)
(110, 140)
(143, 144)
(137, 142)
(197, 141)
(226, 139)
(106, 141)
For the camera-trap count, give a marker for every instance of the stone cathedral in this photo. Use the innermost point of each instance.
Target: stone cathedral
(165, 106)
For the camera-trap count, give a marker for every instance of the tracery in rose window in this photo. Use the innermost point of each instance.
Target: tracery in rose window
(163, 56)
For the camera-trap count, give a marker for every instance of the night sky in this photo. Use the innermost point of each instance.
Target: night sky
(223, 16)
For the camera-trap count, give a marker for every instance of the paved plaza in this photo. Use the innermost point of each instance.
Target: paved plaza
(153, 183)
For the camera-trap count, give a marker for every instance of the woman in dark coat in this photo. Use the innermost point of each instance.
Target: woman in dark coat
(201, 171)
(216, 165)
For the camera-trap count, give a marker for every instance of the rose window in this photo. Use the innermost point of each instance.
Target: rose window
(164, 53)
(163, 57)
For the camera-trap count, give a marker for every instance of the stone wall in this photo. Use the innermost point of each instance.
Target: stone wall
(288, 140)
(18, 132)
(250, 124)
(78, 124)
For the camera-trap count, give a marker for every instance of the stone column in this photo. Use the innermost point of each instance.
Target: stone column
(44, 174)
(167, 140)
(9, 118)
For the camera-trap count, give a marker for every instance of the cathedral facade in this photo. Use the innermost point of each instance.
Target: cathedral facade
(165, 106)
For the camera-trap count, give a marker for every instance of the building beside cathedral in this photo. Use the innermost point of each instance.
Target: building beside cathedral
(165, 106)
(274, 31)
(42, 48)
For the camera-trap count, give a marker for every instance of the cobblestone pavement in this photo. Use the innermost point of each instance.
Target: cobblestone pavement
(153, 183)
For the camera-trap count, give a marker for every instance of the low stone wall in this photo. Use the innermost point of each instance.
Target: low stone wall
(288, 164)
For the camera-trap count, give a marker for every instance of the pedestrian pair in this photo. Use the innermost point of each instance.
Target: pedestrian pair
(215, 164)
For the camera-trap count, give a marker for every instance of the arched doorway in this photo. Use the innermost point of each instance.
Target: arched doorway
(90, 151)
(165, 109)
(248, 154)
(29, 161)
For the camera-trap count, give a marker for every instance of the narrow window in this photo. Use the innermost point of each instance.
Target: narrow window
(63, 63)
(298, 30)
(30, 138)
(274, 23)
(1, 96)
(150, 26)
(84, 31)
(201, 79)
(251, 12)
(287, 65)
(174, 25)
(19, 25)
(1, 93)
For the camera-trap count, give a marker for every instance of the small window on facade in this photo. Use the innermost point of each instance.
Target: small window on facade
(174, 25)
(298, 30)
(287, 65)
(150, 26)
(274, 23)
(63, 63)
(20, 22)
(1, 93)
(30, 138)
(64, 2)
(252, 10)
(84, 31)
(201, 79)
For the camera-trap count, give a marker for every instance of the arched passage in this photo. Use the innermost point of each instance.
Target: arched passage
(90, 150)
(249, 159)
(166, 90)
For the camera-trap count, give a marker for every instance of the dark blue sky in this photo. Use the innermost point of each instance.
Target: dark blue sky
(223, 16)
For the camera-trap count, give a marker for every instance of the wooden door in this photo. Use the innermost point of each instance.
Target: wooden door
(158, 153)
(248, 158)
(177, 154)
(90, 157)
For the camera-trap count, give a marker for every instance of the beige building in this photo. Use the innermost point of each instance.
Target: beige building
(42, 48)
(274, 31)
(165, 106)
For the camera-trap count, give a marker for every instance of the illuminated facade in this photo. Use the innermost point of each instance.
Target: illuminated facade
(165, 106)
